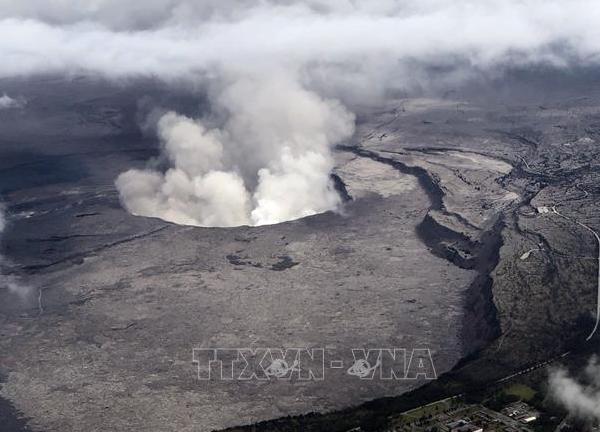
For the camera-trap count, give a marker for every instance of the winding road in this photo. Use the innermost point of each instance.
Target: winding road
(598, 274)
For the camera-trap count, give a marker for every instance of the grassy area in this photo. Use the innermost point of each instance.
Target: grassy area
(429, 410)
(521, 391)
(424, 411)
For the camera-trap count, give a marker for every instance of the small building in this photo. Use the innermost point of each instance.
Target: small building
(462, 426)
(520, 411)
(543, 210)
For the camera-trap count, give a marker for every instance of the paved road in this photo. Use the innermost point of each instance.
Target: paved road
(598, 273)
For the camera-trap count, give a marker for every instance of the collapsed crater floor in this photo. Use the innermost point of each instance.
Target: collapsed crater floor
(119, 302)
(425, 255)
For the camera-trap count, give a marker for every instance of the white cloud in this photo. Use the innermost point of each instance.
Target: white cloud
(581, 398)
(294, 34)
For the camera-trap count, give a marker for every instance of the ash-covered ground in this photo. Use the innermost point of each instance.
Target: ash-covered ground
(463, 232)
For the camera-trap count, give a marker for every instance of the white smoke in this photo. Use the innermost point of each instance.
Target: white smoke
(10, 282)
(269, 162)
(275, 69)
(6, 102)
(581, 399)
(2, 220)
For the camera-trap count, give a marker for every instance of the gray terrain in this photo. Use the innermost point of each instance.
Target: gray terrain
(468, 228)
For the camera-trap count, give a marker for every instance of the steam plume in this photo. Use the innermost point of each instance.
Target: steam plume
(270, 161)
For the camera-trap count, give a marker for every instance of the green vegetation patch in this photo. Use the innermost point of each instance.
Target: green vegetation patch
(521, 391)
